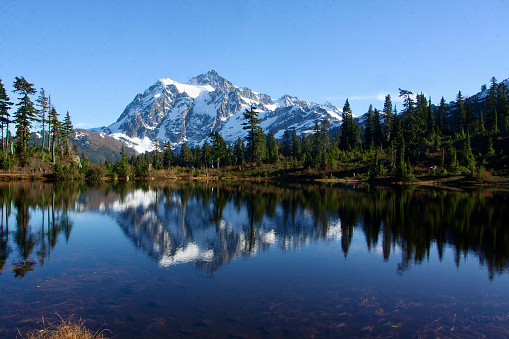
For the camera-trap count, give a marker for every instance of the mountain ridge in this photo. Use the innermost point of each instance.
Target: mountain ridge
(174, 112)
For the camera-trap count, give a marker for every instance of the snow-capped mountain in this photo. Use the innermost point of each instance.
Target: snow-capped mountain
(178, 113)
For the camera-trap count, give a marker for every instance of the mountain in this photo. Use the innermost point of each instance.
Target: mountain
(179, 113)
(98, 147)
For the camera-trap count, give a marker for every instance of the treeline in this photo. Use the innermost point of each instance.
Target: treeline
(18, 149)
(445, 138)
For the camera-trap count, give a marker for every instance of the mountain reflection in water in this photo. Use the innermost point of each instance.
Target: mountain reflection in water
(211, 224)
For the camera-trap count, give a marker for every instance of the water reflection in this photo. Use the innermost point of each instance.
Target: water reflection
(211, 224)
(33, 238)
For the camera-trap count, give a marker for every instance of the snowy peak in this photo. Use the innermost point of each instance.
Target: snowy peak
(169, 111)
(213, 79)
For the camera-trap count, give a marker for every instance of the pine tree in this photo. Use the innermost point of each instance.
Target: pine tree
(219, 149)
(460, 114)
(54, 130)
(377, 130)
(44, 106)
(167, 155)
(186, 156)
(67, 130)
(296, 145)
(503, 108)
(238, 152)
(25, 114)
(272, 149)
(5, 105)
(491, 103)
(349, 129)
(469, 115)
(286, 143)
(430, 121)
(440, 120)
(388, 119)
(369, 130)
(254, 133)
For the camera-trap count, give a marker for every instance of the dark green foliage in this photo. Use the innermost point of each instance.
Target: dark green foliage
(255, 146)
(24, 116)
(349, 129)
(219, 149)
(272, 149)
(5, 105)
(388, 119)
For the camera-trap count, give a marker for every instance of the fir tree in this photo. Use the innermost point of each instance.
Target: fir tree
(186, 156)
(67, 130)
(369, 130)
(54, 130)
(5, 105)
(272, 149)
(254, 133)
(377, 132)
(388, 119)
(44, 106)
(460, 114)
(25, 114)
(238, 151)
(349, 129)
(491, 103)
(440, 119)
(219, 149)
(296, 145)
(167, 155)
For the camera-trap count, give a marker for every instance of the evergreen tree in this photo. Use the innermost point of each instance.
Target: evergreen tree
(207, 154)
(5, 105)
(186, 156)
(440, 120)
(219, 149)
(460, 114)
(296, 145)
(167, 155)
(54, 130)
(469, 115)
(44, 106)
(25, 114)
(387, 119)
(503, 108)
(491, 105)
(430, 121)
(349, 129)
(468, 156)
(67, 130)
(254, 133)
(272, 149)
(377, 132)
(369, 133)
(238, 152)
(286, 143)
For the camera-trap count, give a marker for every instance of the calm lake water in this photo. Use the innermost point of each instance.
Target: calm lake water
(254, 260)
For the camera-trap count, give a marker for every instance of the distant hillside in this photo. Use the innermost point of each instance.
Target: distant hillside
(97, 147)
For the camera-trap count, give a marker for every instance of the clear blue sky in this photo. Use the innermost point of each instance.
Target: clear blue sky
(93, 57)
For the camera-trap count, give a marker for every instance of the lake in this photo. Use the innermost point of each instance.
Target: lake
(252, 260)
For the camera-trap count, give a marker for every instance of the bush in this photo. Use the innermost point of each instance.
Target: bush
(95, 172)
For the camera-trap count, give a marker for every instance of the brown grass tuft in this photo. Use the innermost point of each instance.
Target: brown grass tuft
(65, 330)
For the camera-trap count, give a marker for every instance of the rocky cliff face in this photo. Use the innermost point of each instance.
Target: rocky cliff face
(178, 113)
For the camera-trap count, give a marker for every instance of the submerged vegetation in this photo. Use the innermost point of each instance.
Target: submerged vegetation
(66, 329)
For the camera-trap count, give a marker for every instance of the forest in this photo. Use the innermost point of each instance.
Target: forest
(463, 137)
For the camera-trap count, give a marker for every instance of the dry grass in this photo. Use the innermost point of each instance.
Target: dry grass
(69, 329)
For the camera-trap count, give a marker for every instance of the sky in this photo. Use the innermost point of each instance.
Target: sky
(93, 57)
